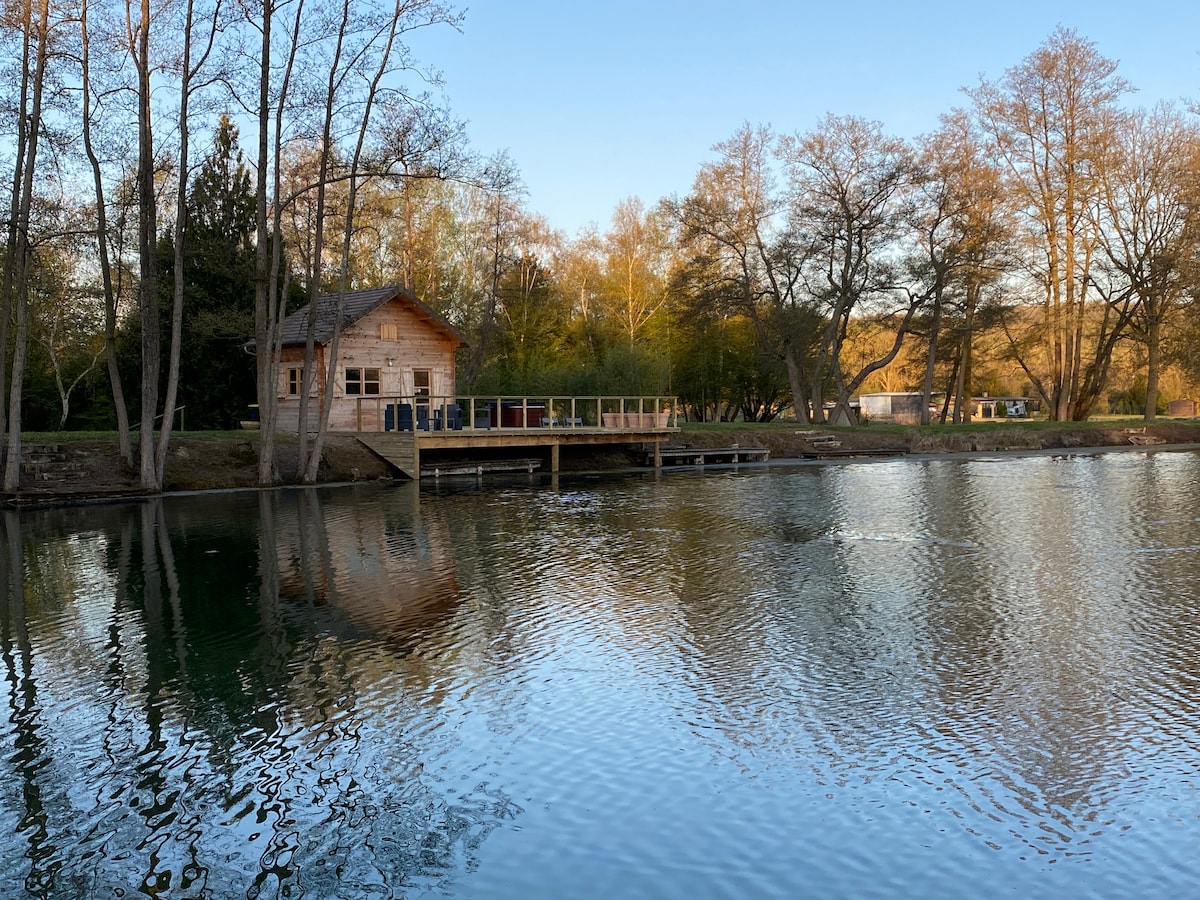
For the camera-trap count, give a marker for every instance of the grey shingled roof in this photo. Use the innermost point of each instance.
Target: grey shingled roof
(356, 305)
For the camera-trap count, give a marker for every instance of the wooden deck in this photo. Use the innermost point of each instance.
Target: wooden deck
(403, 449)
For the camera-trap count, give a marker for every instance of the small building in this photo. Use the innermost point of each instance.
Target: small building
(391, 346)
(1182, 408)
(900, 407)
(986, 407)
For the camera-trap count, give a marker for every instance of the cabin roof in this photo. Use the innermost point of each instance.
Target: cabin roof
(355, 305)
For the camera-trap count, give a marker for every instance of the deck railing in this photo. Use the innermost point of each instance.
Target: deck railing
(512, 413)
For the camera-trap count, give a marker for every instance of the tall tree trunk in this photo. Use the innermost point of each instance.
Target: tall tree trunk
(12, 465)
(124, 444)
(8, 280)
(269, 296)
(147, 255)
(796, 383)
(935, 327)
(1153, 366)
(311, 472)
(185, 92)
(264, 333)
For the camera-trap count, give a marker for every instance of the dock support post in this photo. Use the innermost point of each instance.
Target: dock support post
(416, 456)
(554, 457)
(658, 454)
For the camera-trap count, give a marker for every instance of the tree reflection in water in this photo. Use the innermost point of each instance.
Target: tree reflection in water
(225, 696)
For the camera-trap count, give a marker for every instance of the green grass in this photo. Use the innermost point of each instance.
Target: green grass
(63, 437)
(1096, 422)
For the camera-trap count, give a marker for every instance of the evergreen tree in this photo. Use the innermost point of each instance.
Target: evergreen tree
(217, 375)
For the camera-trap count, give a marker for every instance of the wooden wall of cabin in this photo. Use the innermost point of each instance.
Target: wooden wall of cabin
(418, 344)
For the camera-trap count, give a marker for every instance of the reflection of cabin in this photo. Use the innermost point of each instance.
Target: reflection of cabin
(986, 407)
(381, 574)
(391, 345)
(902, 407)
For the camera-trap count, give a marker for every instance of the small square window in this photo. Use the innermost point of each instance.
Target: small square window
(387, 331)
(371, 382)
(354, 382)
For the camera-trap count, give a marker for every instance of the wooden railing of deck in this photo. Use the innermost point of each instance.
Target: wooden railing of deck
(513, 413)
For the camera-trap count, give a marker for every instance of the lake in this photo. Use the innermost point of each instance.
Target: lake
(941, 678)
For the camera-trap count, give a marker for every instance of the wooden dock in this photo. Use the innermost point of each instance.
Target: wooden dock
(703, 456)
(480, 468)
(408, 451)
(831, 453)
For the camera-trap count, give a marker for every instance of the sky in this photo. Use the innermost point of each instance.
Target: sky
(596, 101)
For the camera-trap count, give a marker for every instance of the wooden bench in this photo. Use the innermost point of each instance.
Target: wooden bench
(821, 441)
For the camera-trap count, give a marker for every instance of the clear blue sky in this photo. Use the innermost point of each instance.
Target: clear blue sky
(599, 101)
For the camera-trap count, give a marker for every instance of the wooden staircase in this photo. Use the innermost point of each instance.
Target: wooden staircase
(397, 448)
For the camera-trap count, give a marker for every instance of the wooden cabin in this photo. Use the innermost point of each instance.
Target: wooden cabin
(391, 345)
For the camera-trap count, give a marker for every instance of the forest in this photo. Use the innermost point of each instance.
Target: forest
(180, 175)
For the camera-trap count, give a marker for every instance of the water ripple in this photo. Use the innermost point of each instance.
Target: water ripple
(897, 679)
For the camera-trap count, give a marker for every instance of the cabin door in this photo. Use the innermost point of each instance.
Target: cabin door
(422, 383)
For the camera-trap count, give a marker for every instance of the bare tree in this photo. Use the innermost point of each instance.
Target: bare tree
(269, 267)
(850, 208)
(36, 41)
(352, 47)
(190, 67)
(1049, 121)
(960, 237)
(138, 27)
(1150, 228)
(104, 256)
(389, 29)
(743, 258)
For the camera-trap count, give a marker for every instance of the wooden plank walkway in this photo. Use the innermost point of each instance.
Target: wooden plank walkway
(829, 453)
(702, 456)
(479, 468)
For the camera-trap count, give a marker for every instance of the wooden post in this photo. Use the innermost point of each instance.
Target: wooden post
(554, 457)
(658, 453)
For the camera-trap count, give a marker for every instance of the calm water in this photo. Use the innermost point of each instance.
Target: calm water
(936, 679)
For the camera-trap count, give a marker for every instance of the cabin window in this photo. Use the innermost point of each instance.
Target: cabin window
(387, 331)
(362, 381)
(294, 380)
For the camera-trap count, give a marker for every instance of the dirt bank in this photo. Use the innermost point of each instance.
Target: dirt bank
(793, 442)
(85, 468)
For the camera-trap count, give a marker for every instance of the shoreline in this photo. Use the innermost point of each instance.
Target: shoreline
(92, 475)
